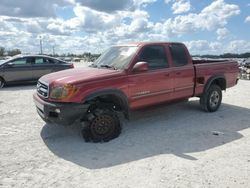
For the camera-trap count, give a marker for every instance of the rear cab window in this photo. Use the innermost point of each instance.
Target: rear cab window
(155, 56)
(178, 54)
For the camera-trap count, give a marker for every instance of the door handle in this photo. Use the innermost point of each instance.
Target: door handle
(178, 73)
(167, 75)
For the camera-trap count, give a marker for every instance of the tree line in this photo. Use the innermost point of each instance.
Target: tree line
(226, 55)
(4, 52)
(13, 52)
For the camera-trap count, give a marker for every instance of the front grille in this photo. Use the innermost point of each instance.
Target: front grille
(42, 89)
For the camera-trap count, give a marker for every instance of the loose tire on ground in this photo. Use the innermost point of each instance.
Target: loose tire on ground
(210, 101)
(103, 127)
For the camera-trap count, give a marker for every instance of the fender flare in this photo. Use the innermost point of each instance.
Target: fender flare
(116, 92)
(211, 80)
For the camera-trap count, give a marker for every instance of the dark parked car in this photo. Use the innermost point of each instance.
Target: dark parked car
(247, 63)
(29, 68)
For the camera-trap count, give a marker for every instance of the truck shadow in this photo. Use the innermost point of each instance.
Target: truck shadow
(180, 129)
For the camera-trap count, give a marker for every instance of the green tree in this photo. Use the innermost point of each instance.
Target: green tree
(2, 51)
(14, 52)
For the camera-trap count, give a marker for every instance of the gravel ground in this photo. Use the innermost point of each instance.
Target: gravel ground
(175, 145)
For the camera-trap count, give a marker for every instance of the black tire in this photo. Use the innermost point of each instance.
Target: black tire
(2, 82)
(103, 127)
(210, 101)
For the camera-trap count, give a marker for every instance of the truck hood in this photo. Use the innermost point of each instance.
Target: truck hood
(79, 75)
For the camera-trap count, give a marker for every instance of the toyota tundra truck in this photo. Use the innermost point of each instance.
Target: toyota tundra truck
(130, 77)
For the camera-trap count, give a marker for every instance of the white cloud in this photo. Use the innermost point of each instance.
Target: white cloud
(111, 6)
(33, 26)
(247, 19)
(167, 1)
(238, 46)
(101, 26)
(221, 9)
(212, 17)
(107, 5)
(143, 3)
(62, 27)
(41, 25)
(181, 6)
(31, 8)
(197, 47)
(222, 33)
(139, 22)
(93, 21)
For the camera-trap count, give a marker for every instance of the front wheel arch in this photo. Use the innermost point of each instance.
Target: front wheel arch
(109, 97)
(2, 82)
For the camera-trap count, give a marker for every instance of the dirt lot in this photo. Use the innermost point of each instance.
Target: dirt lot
(166, 146)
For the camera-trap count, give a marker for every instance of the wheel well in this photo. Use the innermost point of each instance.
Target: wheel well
(1, 78)
(221, 82)
(112, 101)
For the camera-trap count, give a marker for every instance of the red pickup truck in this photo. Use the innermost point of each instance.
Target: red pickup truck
(126, 78)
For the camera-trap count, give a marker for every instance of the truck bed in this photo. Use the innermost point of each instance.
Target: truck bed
(205, 68)
(202, 61)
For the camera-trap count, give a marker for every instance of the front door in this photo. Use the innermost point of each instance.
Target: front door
(18, 69)
(155, 85)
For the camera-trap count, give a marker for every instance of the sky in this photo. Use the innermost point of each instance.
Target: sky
(78, 26)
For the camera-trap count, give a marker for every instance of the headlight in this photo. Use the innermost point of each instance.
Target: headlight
(63, 92)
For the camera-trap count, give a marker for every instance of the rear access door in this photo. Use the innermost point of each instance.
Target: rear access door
(183, 71)
(41, 66)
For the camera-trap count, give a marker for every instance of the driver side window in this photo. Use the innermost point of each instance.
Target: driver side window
(155, 57)
(19, 61)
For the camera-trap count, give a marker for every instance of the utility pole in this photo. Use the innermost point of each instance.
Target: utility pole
(53, 48)
(41, 45)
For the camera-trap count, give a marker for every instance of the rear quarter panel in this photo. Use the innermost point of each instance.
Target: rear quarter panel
(227, 69)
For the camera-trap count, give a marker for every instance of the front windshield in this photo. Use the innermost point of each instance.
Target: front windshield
(117, 57)
(2, 62)
(9, 59)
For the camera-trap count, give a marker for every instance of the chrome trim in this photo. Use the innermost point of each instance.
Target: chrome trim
(152, 94)
(183, 88)
(42, 89)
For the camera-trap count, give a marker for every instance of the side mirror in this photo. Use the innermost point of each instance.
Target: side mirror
(10, 64)
(140, 67)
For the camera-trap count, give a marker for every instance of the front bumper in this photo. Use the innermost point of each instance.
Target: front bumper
(59, 113)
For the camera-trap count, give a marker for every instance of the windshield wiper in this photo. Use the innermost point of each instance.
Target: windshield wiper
(108, 66)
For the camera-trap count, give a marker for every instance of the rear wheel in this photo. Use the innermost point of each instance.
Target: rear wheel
(211, 100)
(103, 126)
(2, 82)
